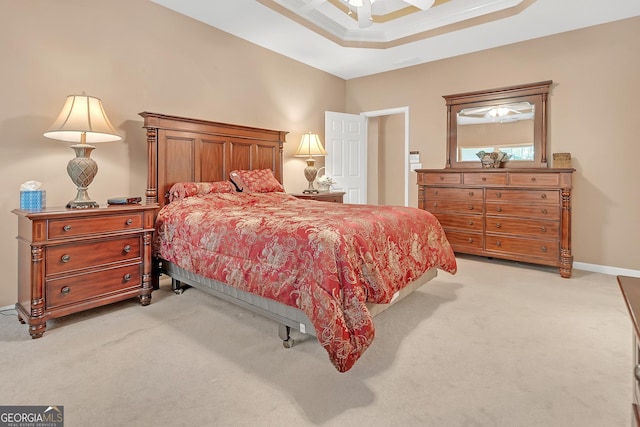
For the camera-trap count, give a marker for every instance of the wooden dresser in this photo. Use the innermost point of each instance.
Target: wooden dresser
(630, 287)
(71, 260)
(516, 214)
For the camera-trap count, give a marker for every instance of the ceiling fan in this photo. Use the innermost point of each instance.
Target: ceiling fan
(365, 15)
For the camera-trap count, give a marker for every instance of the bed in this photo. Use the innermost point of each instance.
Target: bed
(322, 268)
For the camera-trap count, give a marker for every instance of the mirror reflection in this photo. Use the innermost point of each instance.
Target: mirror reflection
(505, 127)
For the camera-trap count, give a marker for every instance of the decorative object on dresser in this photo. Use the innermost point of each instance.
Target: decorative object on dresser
(520, 212)
(82, 120)
(630, 287)
(71, 260)
(324, 196)
(310, 147)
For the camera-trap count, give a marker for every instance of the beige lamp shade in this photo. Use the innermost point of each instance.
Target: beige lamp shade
(310, 146)
(82, 114)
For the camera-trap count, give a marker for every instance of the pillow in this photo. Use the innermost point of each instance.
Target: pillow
(258, 181)
(236, 180)
(180, 190)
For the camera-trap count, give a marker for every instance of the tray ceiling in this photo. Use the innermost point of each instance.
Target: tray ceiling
(327, 35)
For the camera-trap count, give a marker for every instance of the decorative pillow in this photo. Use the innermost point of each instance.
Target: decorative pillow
(236, 180)
(180, 190)
(258, 181)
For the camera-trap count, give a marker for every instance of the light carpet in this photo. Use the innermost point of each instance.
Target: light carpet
(497, 344)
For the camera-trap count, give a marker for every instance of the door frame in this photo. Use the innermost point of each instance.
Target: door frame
(390, 112)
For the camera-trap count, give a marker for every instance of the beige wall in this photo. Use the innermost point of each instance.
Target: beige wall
(136, 56)
(593, 114)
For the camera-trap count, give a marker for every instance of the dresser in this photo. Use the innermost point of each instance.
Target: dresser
(515, 214)
(327, 196)
(71, 260)
(630, 287)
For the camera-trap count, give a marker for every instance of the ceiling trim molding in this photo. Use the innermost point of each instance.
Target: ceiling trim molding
(449, 28)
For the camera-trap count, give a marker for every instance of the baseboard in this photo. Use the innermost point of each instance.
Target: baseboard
(8, 307)
(604, 269)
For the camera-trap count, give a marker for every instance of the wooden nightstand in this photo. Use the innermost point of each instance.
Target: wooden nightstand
(71, 260)
(327, 196)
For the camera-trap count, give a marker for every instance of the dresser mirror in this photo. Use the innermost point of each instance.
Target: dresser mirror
(511, 119)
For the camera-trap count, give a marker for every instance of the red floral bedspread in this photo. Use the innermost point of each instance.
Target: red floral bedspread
(327, 259)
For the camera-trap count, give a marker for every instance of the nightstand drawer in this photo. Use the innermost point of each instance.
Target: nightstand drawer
(75, 227)
(83, 287)
(60, 259)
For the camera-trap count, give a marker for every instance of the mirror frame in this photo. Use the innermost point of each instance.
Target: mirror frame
(534, 93)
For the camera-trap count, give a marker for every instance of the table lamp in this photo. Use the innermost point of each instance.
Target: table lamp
(82, 120)
(310, 147)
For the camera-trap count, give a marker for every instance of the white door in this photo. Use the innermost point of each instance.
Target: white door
(346, 161)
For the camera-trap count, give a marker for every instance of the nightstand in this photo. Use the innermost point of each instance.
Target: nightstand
(327, 196)
(70, 260)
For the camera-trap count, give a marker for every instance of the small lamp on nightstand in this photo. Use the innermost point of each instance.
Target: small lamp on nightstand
(82, 120)
(310, 147)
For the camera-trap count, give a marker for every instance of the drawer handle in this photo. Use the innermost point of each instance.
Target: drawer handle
(498, 225)
(636, 372)
(65, 291)
(470, 240)
(65, 258)
(544, 211)
(435, 204)
(129, 221)
(127, 249)
(543, 249)
(544, 196)
(484, 178)
(435, 192)
(499, 209)
(470, 222)
(470, 207)
(498, 243)
(127, 277)
(67, 227)
(533, 178)
(498, 195)
(471, 193)
(543, 229)
(441, 178)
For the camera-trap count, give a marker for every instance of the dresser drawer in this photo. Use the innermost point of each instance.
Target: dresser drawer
(461, 241)
(548, 212)
(454, 193)
(460, 206)
(64, 258)
(535, 179)
(439, 178)
(485, 178)
(540, 249)
(525, 196)
(525, 227)
(461, 222)
(77, 227)
(84, 287)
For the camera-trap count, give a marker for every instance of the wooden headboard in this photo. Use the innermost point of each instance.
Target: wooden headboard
(182, 149)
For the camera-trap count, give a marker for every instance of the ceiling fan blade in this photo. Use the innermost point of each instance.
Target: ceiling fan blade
(421, 4)
(364, 14)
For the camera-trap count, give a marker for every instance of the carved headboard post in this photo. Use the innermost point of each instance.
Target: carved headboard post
(151, 194)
